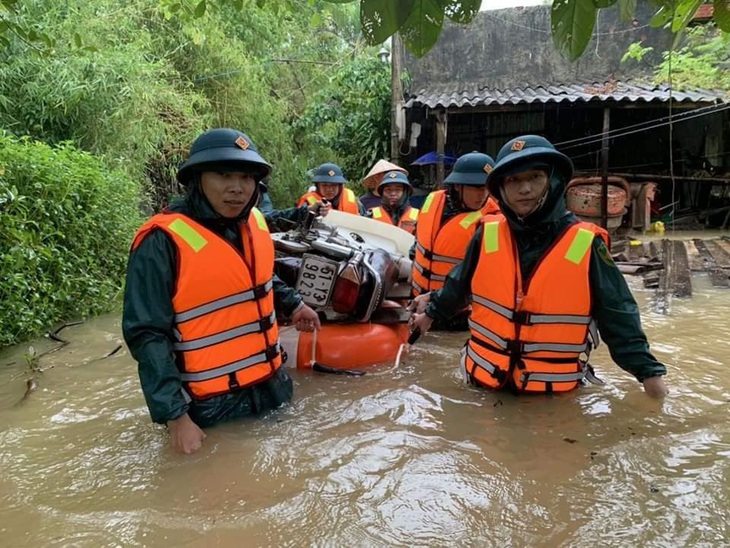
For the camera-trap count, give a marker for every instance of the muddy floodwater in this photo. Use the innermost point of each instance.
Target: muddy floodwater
(404, 456)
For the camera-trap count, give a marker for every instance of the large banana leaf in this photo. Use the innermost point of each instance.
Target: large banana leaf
(572, 25)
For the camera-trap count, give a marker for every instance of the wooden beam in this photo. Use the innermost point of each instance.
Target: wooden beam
(441, 128)
(604, 167)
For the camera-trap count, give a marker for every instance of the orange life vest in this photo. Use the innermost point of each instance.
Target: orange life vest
(225, 326)
(347, 203)
(531, 337)
(407, 221)
(441, 246)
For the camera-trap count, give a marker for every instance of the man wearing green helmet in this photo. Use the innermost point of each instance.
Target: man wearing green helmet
(330, 188)
(446, 224)
(539, 280)
(394, 209)
(201, 298)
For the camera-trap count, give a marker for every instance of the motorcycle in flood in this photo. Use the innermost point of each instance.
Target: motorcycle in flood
(354, 272)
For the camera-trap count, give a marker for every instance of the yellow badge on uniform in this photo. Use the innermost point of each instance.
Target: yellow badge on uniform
(488, 169)
(243, 143)
(518, 145)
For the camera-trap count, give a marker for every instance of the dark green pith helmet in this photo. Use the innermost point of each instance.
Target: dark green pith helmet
(471, 169)
(223, 149)
(396, 177)
(528, 152)
(328, 173)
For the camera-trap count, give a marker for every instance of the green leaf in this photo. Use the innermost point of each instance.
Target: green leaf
(238, 5)
(461, 11)
(381, 19)
(175, 8)
(200, 9)
(572, 25)
(601, 4)
(422, 28)
(722, 14)
(627, 9)
(661, 17)
(77, 40)
(683, 14)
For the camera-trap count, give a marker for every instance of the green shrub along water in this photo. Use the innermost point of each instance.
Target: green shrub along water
(66, 222)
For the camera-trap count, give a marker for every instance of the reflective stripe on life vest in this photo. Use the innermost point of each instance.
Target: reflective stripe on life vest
(532, 338)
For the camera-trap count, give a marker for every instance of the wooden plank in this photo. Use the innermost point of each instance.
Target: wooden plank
(720, 255)
(696, 264)
(724, 243)
(718, 277)
(656, 251)
(682, 275)
(666, 281)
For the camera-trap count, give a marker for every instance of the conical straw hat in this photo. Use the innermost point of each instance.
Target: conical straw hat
(372, 179)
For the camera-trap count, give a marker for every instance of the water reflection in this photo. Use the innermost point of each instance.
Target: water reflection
(403, 457)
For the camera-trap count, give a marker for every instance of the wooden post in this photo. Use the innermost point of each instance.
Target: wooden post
(441, 121)
(604, 167)
(396, 63)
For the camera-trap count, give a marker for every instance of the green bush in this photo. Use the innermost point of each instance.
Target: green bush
(66, 222)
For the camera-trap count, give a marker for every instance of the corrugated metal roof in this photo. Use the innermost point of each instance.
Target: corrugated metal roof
(443, 97)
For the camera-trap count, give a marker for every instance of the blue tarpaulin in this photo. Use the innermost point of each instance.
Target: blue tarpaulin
(433, 158)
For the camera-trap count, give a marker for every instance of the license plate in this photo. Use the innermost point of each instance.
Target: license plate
(316, 280)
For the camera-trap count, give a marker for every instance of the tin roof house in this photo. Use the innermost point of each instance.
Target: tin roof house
(501, 77)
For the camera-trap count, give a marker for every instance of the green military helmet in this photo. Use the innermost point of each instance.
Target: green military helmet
(223, 149)
(471, 169)
(528, 152)
(396, 177)
(328, 173)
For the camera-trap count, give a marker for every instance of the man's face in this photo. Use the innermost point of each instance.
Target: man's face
(523, 190)
(473, 197)
(392, 194)
(228, 192)
(329, 190)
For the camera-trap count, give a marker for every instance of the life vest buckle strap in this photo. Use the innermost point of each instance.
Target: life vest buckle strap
(260, 291)
(515, 348)
(522, 317)
(272, 352)
(424, 271)
(267, 322)
(427, 253)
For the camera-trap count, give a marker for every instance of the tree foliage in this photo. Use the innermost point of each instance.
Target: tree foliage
(135, 82)
(351, 115)
(702, 61)
(66, 222)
